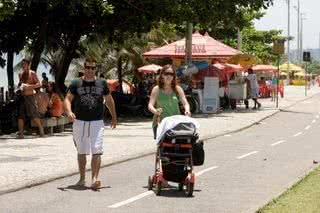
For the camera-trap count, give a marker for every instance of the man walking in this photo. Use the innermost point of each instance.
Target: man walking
(88, 95)
(254, 88)
(27, 103)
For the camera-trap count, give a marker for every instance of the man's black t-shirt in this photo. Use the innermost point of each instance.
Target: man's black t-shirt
(88, 98)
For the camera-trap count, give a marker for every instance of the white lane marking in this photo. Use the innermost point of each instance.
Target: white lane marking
(277, 143)
(130, 200)
(307, 127)
(144, 194)
(227, 135)
(299, 133)
(307, 102)
(246, 155)
(206, 170)
(313, 121)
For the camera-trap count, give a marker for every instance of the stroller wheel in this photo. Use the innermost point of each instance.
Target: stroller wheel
(189, 189)
(149, 183)
(180, 187)
(158, 188)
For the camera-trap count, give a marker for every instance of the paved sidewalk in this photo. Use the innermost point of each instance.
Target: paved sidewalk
(34, 161)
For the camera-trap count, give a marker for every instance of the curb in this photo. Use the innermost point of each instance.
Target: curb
(141, 155)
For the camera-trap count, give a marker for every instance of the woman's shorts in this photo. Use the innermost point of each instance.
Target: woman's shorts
(88, 136)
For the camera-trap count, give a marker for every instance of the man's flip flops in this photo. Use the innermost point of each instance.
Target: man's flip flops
(96, 185)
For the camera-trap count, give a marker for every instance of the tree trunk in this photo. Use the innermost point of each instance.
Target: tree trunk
(10, 57)
(39, 44)
(68, 55)
(120, 73)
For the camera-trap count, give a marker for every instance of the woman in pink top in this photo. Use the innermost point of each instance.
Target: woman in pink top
(55, 103)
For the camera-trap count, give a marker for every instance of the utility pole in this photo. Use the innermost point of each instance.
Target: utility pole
(188, 45)
(302, 18)
(288, 47)
(319, 47)
(298, 32)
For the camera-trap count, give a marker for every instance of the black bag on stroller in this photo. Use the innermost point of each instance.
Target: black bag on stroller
(198, 154)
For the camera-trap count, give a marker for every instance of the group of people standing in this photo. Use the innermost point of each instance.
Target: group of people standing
(36, 100)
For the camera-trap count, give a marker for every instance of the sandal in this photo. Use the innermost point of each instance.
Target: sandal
(96, 185)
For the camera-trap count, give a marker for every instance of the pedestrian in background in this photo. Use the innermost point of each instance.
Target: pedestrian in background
(274, 87)
(254, 91)
(88, 94)
(27, 106)
(44, 82)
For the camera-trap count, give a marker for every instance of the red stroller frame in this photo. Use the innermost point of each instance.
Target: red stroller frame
(173, 162)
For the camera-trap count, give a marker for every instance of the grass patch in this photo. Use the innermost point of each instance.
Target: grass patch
(304, 197)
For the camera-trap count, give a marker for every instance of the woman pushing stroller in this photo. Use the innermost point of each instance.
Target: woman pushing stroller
(164, 100)
(164, 103)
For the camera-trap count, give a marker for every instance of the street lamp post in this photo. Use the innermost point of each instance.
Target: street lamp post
(298, 31)
(302, 18)
(288, 47)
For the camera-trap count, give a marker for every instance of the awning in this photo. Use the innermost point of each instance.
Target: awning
(150, 68)
(264, 67)
(202, 47)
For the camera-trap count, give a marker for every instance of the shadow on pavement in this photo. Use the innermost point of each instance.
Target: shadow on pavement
(291, 111)
(81, 188)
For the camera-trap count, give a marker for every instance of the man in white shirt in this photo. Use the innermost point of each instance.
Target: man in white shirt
(254, 88)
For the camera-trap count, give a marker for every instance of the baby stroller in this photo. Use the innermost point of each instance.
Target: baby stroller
(176, 136)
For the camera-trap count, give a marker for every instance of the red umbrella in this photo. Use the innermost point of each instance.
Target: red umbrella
(202, 47)
(151, 68)
(263, 67)
(228, 68)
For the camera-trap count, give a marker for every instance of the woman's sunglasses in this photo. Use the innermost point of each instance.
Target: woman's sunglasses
(168, 74)
(90, 67)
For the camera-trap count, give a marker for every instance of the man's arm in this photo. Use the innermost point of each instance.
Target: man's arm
(67, 106)
(111, 107)
(35, 79)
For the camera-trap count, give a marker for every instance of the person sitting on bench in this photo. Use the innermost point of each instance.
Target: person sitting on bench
(55, 103)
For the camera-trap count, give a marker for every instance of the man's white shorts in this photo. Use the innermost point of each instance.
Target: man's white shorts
(88, 136)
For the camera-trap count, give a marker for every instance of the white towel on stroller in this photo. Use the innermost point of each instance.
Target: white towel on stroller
(171, 122)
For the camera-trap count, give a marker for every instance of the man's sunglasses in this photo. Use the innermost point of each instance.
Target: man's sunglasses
(168, 74)
(90, 67)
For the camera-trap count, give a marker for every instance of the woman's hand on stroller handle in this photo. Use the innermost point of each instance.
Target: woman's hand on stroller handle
(159, 111)
(187, 113)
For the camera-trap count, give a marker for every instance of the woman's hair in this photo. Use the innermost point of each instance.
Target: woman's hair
(161, 81)
(53, 86)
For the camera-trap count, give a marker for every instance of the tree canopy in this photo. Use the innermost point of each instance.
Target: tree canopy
(59, 25)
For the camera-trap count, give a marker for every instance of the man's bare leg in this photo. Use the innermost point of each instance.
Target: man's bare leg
(95, 166)
(82, 161)
(20, 127)
(39, 125)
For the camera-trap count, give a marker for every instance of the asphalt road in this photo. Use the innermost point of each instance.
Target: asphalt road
(242, 172)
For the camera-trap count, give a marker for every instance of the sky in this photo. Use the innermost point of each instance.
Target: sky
(277, 18)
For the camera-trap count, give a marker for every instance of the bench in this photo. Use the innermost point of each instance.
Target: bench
(49, 123)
